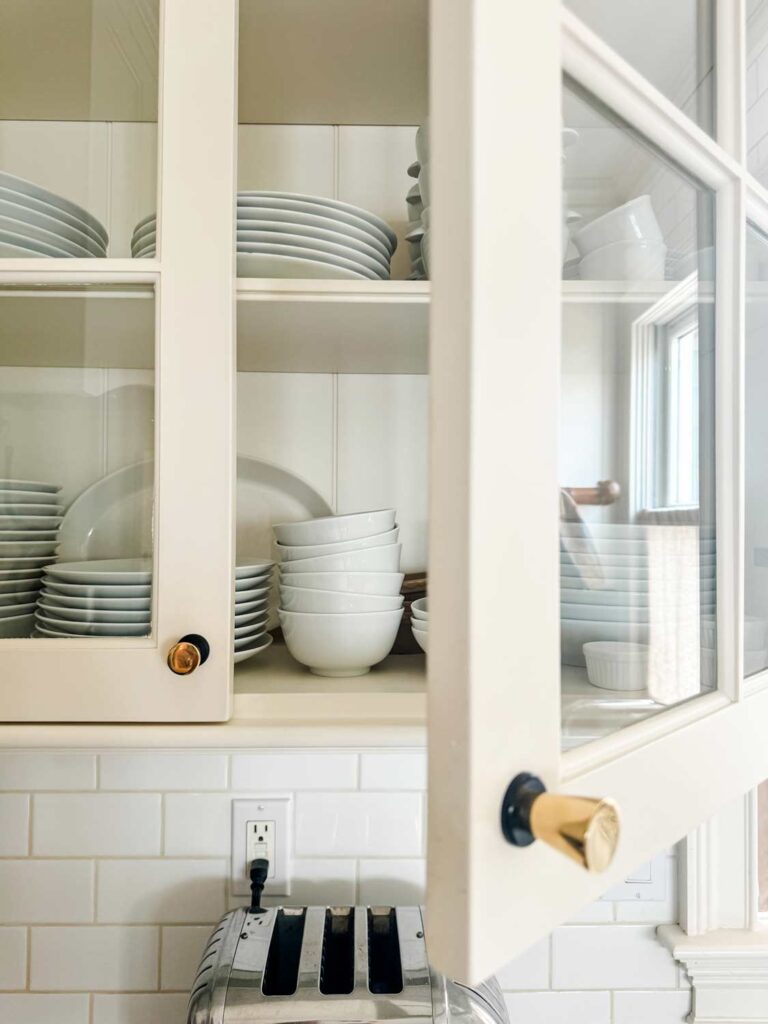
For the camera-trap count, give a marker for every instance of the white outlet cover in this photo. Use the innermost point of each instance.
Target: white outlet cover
(275, 809)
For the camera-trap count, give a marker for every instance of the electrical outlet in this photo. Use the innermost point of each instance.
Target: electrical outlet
(261, 828)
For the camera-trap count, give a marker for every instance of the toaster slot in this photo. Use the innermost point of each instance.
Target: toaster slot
(385, 973)
(281, 971)
(337, 974)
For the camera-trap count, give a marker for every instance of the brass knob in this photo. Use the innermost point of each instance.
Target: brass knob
(584, 829)
(188, 654)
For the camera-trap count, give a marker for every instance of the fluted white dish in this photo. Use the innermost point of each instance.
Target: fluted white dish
(616, 665)
(340, 645)
(386, 584)
(574, 633)
(289, 553)
(299, 599)
(335, 529)
(379, 559)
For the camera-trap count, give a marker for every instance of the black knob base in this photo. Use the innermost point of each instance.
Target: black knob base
(516, 808)
(200, 643)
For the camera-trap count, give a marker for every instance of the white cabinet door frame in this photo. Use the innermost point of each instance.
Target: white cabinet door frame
(494, 674)
(128, 680)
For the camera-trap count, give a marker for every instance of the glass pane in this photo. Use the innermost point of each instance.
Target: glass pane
(757, 89)
(637, 545)
(76, 461)
(78, 125)
(755, 441)
(671, 44)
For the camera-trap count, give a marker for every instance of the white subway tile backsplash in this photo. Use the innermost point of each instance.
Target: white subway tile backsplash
(31, 1008)
(394, 881)
(257, 772)
(173, 771)
(557, 1007)
(14, 825)
(647, 1007)
(46, 891)
(530, 970)
(599, 912)
(96, 824)
(182, 949)
(393, 771)
(358, 824)
(13, 958)
(43, 769)
(94, 959)
(139, 1009)
(317, 881)
(198, 824)
(164, 891)
(663, 911)
(629, 957)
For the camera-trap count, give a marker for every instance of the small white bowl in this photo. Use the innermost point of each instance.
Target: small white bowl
(299, 599)
(382, 559)
(421, 636)
(617, 666)
(333, 529)
(634, 221)
(385, 584)
(625, 261)
(290, 552)
(419, 609)
(340, 645)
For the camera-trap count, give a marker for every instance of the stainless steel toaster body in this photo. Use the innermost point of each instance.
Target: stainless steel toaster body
(349, 965)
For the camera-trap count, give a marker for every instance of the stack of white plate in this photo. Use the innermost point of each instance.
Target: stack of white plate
(36, 222)
(340, 602)
(29, 527)
(418, 200)
(113, 597)
(625, 244)
(420, 623)
(606, 586)
(287, 234)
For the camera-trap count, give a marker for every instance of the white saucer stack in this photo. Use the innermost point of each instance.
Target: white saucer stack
(290, 235)
(36, 222)
(29, 526)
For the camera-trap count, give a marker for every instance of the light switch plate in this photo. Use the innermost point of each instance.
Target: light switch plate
(248, 820)
(648, 882)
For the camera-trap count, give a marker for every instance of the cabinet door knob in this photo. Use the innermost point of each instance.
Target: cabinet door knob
(584, 829)
(186, 655)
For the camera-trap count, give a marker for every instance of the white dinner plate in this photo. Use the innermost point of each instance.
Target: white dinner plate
(106, 604)
(251, 568)
(92, 628)
(56, 225)
(21, 585)
(22, 497)
(7, 612)
(249, 583)
(144, 247)
(27, 548)
(32, 245)
(132, 571)
(29, 485)
(629, 531)
(248, 641)
(22, 187)
(35, 235)
(19, 597)
(36, 562)
(57, 213)
(30, 524)
(251, 220)
(27, 510)
(86, 615)
(275, 261)
(246, 596)
(340, 210)
(18, 625)
(251, 629)
(16, 536)
(259, 645)
(243, 607)
(314, 243)
(98, 591)
(15, 575)
(249, 617)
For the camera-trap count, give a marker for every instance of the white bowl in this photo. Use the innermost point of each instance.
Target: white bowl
(340, 645)
(635, 221)
(385, 584)
(419, 609)
(299, 599)
(625, 261)
(575, 633)
(382, 559)
(421, 636)
(617, 666)
(333, 529)
(290, 552)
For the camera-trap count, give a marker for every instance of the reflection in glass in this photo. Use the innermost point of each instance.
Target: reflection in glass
(637, 500)
(757, 88)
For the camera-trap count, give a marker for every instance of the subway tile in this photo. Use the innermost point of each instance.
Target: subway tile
(556, 1007)
(14, 825)
(358, 824)
(656, 1007)
(94, 959)
(393, 771)
(314, 881)
(599, 912)
(13, 958)
(394, 881)
(257, 772)
(46, 892)
(140, 1009)
(623, 956)
(530, 970)
(96, 824)
(161, 891)
(29, 770)
(198, 824)
(33, 1008)
(162, 772)
(182, 948)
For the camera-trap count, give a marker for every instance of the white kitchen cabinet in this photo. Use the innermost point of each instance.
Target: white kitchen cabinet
(162, 370)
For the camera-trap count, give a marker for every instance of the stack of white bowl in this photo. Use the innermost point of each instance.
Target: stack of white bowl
(420, 623)
(113, 597)
(605, 584)
(29, 527)
(287, 234)
(36, 222)
(625, 244)
(418, 200)
(340, 602)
